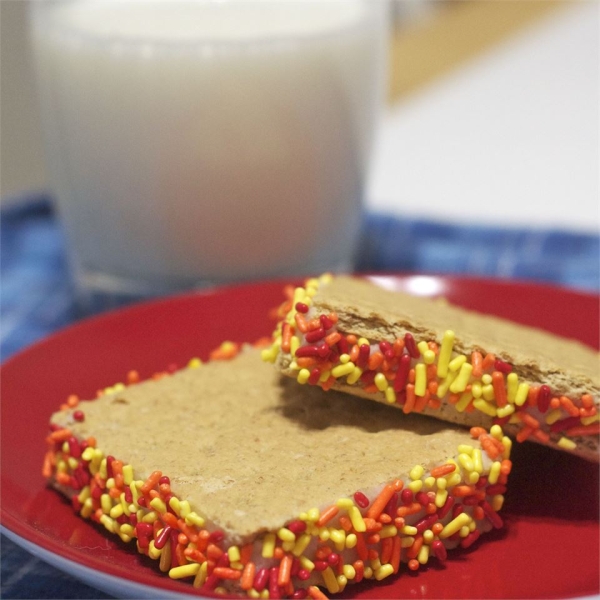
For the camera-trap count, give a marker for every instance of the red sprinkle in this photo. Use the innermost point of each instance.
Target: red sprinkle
(320, 565)
(363, 356)
(297, 526)
(470, 539)
(392, 505)
(402, 373)
(543, 398)
(411, 346)
(442, 512)
(386, 350)
(301, 307)
(162, 537)
(164, 479)
(260, 579)
(503, 367)
(439, 550)
(216, 537)
(326, 322)
(343, 346)
(78, 415)
(361, 499)
(303, 574)
(422, 498)
(300, 593)
(314, 336)
(333, 559)
(407, 496)
(314, 376)
(564, 424)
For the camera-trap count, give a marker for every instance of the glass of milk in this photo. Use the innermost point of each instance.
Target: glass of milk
(200, 142)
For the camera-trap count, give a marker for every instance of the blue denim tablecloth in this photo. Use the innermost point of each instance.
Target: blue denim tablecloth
(36, 300)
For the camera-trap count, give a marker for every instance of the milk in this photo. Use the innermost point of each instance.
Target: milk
(201, 142)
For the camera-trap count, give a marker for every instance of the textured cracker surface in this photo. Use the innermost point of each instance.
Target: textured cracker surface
(250, 449)
(365, 309)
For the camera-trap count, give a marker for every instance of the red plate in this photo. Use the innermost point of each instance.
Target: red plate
(549, 548)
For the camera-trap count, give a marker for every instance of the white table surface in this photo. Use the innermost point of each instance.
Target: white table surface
(509, 138)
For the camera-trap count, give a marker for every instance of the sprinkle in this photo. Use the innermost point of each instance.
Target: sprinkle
(445, 354)
(566, 443)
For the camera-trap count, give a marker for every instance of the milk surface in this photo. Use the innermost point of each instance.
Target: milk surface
(204, 141)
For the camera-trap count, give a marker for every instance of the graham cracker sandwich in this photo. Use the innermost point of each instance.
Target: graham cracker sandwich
(240, 481)
(425, 356)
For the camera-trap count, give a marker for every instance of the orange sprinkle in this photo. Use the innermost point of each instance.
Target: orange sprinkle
(183, 539)
(247, 578)
(442, 470)
(398, 346)
(384, 518)
(63, 478)
(488, 361)
(371, 389)
(433, 347)
(555, 403)
(499, 388)
(421, 402)
(354, 353)
(505, 466)
(333, 317)
(133, 377)
(278, 552)
(437, 528)
(213, 552)
(477, 362)
(381, 501)
(333, 338)
(322, 552)
(413, 550)
(194, 554)
(73, 400)
(587, 401)
(409, 509)
(224, 352)
(373, 538)
(478, 513)
(169, 519)
(461, 491)
(587, 412)
(524, 433)
(188, 531)
(305, 362)
(286, 336)
(532, 395)
(114, 493)
(315, 593)
(314, 324)
(412, 375)
(396, 552)
(432, 386)
(301, 323)
(592, 429)
(327, 515)
(434, 402)
(529, 420)
(351, 339)
(373, 554)
(568, 405)
(91, 441)
(409, 403)
(361, 546)
(246, 553)
(540, 435)
(345, 524)
(477, 432)
(60, 435)
(375, 361)
(285, 569)
(47, 466)
(225, 572)
(453, 398)
(372, 525)
(387, 545)
(326, 385)
(430, 508)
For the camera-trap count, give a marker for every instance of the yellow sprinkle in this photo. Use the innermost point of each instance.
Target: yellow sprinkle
(233, 552)
(507, 443)
(473, 477)
(415, 486)
(368, 573)
(423, 347)
(194, 363)
(388, 531)
(349, 572)
(306, 563)
(294, 344)
(286, 535)
(407, 542)
(325, 376)
(428, 536)
(456, 363)
(194, 519)
(345, 503)
(445, 354)
(342, 581)
(362, 341)
(127, 474)
(496, 431)
(87, 509)
(429, 482)
(409, 530)
(440, 498)
(330, 580)
(344, 358)
(237, 565)
(338, 536)
(158, 505)
(354, 376)
(375, 563)
(269, 354)
(465, 449)
(127, 529)
(252, 593)
(553, 416)
(423, 555)
(312, 515)
(455, 525)
(464, 531)
(466, 462)
(486, 379)
(390, 395)
(189, 570)
(441, 483)
(462, 379)
(494, 473)
(512, 385)
(356, 519)
(105, 503)
(73, 462)
(505, 411)
(420, 379)
(268, 547)
(477, 460)
(567, 444)
(497, 502)
(303, 376)
(301, 544)
(383, 572)
(381, 382)
(453, 479)
(88, 454)
(103, 468)
(351, 540)
(463, 401)
(150, 517)
(472, 526)
(485, 407)
(416, 472)
(116, 511)
(488, 392)
(84, 494)
(342, 370)
(590, 420)
(110, 483)
(324, 534)
(445, 385)
(154, 552)
(476, 389)
(108, 523)
(521, 395)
